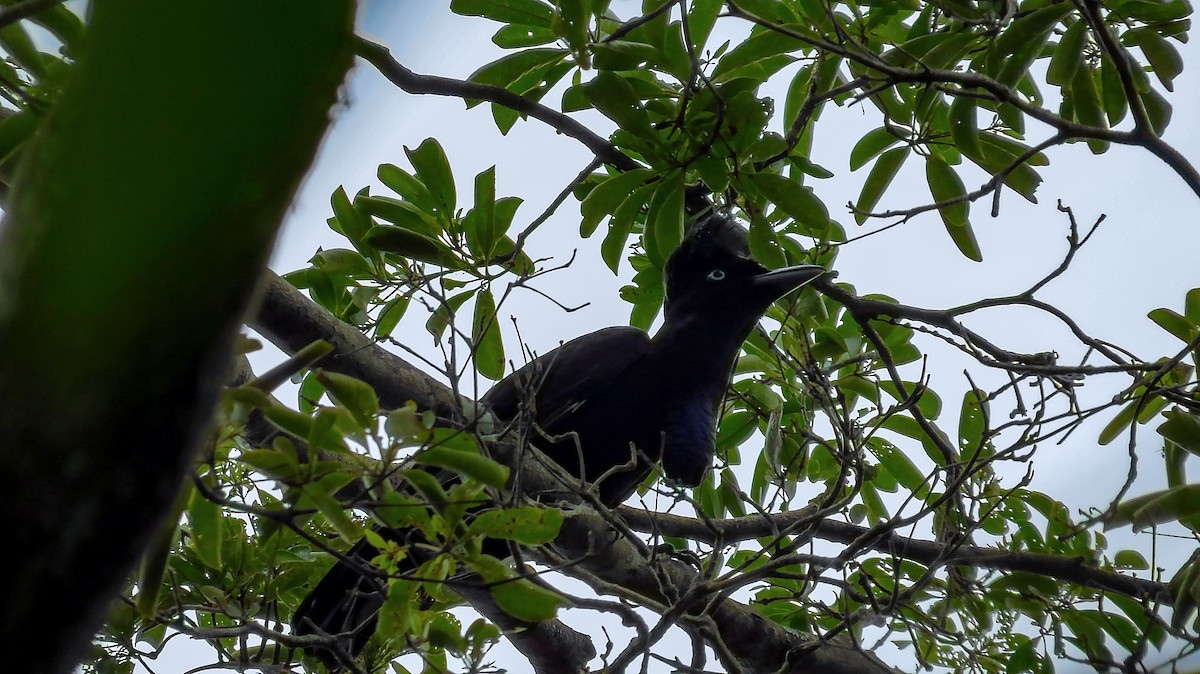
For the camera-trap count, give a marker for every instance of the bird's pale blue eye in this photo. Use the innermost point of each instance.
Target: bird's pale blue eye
(716, 275)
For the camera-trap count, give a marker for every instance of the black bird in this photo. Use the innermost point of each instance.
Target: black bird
(617, 398)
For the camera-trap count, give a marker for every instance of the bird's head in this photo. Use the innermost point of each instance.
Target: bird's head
(713, 273)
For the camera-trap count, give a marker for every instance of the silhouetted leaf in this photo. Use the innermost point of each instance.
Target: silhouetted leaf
(963, 127)
(411, 245)
(945, 185)
(881, 176)
(606, 197)
(1173, 323)
(870, 145)
(485, 335)
(1068, 55)
(521, 12)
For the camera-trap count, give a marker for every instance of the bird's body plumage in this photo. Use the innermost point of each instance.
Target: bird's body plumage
(609, 405)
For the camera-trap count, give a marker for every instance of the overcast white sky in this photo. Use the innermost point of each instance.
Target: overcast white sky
(1143, 256)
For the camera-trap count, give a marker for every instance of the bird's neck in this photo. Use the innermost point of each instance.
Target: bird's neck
(700, 353)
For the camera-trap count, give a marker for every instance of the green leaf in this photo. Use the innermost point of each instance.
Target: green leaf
(664, 221)
(885, 169)
(278, 463)
(482, 229)
(289, 421)
(1163, 56)
(21, 49)
(928, 402)
(428, 486)
(606, 197)
(207, 529)
(520, 264)
(1119, 423)
(1023, 40)
(797, 200)
(433, 170)
(997, 155)
(896, 463)
(1086, 100)
(1130, 559)
(1182, 428)
(390, 317)
(753, 50)
(1152, 11)
(619, 228)
(1113, 91)
(763, 244)
(509, 69)
(355, 395)
(972, 423)
(506, 210)
(65, 24)
(439, 320)
(408, 186)
(352, 223)
(616, 99)
(396, 614)
(1158, 110)
(15, 130)
(945, 185)
(624, 55)
(947, 52)
(485, 335)
(400, 213)
(516, 35)
(964, 239)
(1168, 505)
(701, 19)
(521, 12)
(411, 245)
(466, 463)
(518, 597)
(1068, 55)
(772, 10)
(963, 127)
(341, 262)
(1191, 306)
(1173, 323)
(1025, 29)
(528, 525)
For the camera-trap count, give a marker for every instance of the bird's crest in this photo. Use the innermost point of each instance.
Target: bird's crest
(716, 231)
(713, 237)
(714, 241)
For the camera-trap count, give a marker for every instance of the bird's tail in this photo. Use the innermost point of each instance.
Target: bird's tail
(344, 605)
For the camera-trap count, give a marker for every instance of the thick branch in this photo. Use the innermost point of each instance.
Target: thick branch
(291, 321)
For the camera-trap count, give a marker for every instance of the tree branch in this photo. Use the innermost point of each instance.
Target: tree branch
(413, 83)
(723, 532)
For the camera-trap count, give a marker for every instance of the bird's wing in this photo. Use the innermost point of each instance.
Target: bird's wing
(563, 379)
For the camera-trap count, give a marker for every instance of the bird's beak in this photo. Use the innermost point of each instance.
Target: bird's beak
(779, 282)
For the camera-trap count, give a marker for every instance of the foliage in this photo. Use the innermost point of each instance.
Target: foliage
(830, 398)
